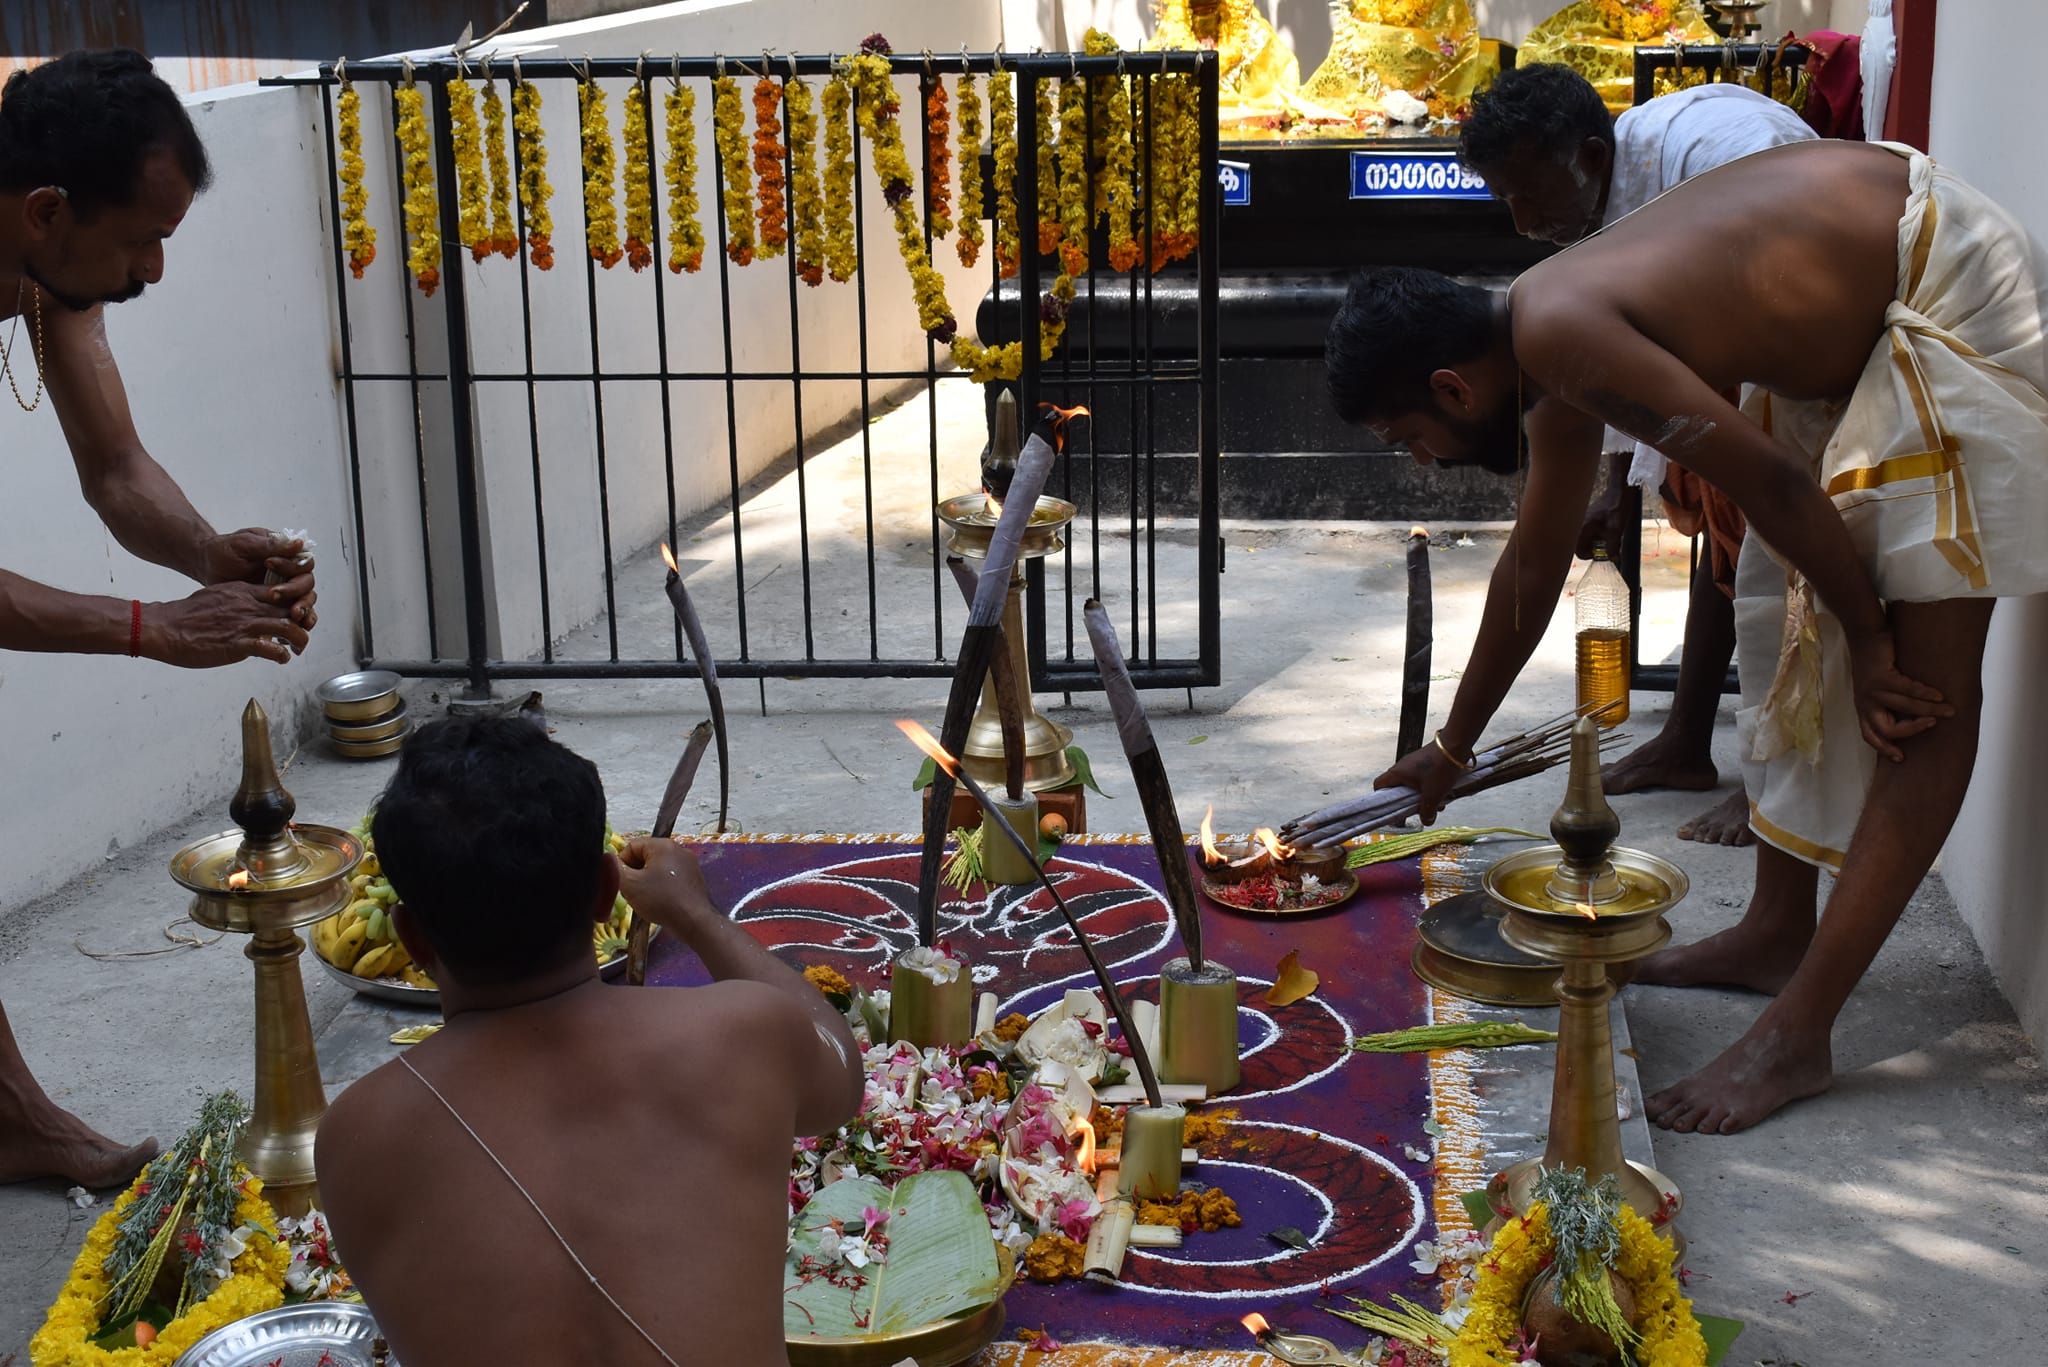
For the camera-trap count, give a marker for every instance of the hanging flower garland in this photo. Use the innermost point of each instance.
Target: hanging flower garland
(472, 191)
(356, 233)
(600, 214)
(685, 232)
(1117, 152)
(1073, 161)
(534, 190)
(842, 254)
(1176, 183)
(504, 235)
(770, 181)
(938, 124)
(968, 247)
(639, 180)
(1002, 115)
(422, 210)
(729, 135)
(1049, 231)
(803, 190)
(876, 107)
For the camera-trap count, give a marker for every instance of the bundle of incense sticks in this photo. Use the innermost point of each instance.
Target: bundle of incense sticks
(1517, 757)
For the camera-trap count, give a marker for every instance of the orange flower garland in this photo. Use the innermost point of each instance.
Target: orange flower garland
(729, 137)
(773, 214)
(968, 248)
(639, 180)
(534, 190)
(685, 233)
(504, 235)
(356, 233)
(422, 208)
(1002, 116)
(600, 214)
(938, 159)
(803, 189)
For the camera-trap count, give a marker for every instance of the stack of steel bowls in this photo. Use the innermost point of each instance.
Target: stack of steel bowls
(365, 716)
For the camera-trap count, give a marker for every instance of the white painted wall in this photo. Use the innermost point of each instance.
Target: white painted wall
(1987, 108)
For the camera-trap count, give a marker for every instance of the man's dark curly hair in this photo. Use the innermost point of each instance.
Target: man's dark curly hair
(1546, 108)
(86, 121)
(492, 835)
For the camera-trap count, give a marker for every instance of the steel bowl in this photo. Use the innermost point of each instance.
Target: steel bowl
(317, 1334)
(362, 696)
(392, 723)
(374, 749)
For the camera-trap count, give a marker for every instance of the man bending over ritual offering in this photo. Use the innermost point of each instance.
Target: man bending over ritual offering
(570, 1172)
(1892, 318)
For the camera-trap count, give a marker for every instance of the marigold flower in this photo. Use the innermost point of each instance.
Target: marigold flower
(772, 215)
(504, 233)
(685, 232)
(422, 209)
(938, 159)
(729, 136)
(356, 233)
(968, 247)
(842, 251)
(639, 180)
(600, 214)
(534, 190)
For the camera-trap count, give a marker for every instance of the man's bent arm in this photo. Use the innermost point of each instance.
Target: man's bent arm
(141, 504)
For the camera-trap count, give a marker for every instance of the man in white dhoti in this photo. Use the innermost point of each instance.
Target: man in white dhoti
(1899, 475)
(1546, 146)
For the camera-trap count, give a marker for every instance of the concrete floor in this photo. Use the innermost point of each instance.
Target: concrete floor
(1902, 1218)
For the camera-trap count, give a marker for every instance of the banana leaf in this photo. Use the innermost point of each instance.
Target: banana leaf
(940, 1261)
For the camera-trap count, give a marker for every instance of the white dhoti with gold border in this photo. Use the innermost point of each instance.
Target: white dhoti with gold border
(1938, 463)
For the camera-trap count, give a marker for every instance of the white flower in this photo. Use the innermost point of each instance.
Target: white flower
(939, 967)
(81, 1198)
(1427, 1259)
(1415, 1155)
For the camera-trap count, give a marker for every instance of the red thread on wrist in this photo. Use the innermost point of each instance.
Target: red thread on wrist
(135, 627)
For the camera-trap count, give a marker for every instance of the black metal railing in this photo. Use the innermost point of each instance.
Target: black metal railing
(1138, 370)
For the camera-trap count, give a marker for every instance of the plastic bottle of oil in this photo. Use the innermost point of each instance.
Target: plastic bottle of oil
(1600, 615)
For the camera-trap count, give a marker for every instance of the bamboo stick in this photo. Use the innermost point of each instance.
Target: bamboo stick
(1103, 1260)
(1415, 662)
(1009, 707)
(1198, 1025)
(707, 668)
(679, 781)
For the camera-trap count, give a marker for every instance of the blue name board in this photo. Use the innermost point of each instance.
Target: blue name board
(1412, 175)
(1236, 177)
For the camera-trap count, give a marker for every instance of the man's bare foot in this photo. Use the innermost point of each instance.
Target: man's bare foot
(1740, 956)
(1767, 1069)
(1660, 762)
(1725, 823)
(59, 1144)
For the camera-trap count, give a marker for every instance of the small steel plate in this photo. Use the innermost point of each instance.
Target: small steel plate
(336, 1333)
(1348, 884)
(404, 994)
(1459, 950)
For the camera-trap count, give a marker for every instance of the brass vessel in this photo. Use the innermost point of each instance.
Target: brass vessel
(264, 880)
(1585, 904)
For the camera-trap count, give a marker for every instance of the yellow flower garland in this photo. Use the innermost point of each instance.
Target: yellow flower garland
(534, 190)
(685, 232)
(1176, 180)
(771, 216)
(729, 134)
(1636, 21)
(938, 122)
(1002, 115)
(504, 236)
(472, 193)
(803, 189)
(875, 105)
(1116, 187)
(968, 247)
(600, 214)
(842, 252)
(639, 180)
(1670, 1334)
(1049, 231)
(1073, 196)
(256, 1284)
(356, 233)
(422, 209)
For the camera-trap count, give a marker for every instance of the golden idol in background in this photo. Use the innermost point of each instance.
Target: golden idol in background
(1426, 49)
(1598, 38)
(1257, 68)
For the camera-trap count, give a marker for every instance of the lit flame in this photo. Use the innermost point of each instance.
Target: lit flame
(1418, 530)
(1264, 835)
(1257, 1324)
(927, 742)
(1585, 909)
(668, 558)
(238, 880)
(1210, 854)
(1060, 418)
(995, 506)
(1084, 1148)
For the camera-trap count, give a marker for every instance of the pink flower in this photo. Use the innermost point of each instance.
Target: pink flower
(1043, 1343)
(1074, 1219)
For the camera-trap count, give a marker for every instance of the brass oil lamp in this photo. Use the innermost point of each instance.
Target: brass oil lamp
(970, 521)
(264, 880)
(1585, 903)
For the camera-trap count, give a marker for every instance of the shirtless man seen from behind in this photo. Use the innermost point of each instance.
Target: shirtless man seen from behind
(653, 1127)
(1778, 270)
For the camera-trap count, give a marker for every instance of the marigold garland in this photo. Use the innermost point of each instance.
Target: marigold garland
(1176, 198)
(729, 136)
(876, 107)
(255, 1284)
(804, 194)
(972, 235)
(770, 180)
(1002, 117)
(356, 233)
(472, 191)
(842, 253)
(1116, 187)
(600, 214)
(685, 232)
(534, 190)
(938, 123)
(1670, 1333)
(1073, 194)
(504, 235)
(1049, 231)
(639, 180)
(422, 209)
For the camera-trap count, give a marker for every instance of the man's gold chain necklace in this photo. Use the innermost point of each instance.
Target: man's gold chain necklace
(35, 329)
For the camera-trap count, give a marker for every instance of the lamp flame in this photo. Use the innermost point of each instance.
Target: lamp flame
(238, 880)
(1257, 1324)
(1264, 835)
(927, 742)
(1585, 909)
(1060, 418)
(1084, 1147)
(668, 558)
(1211, 856)
(995, 506)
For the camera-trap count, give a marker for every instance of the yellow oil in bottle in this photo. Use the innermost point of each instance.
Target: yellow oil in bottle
(1603, 672)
